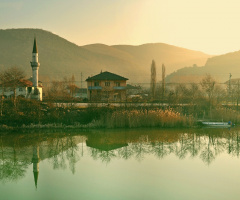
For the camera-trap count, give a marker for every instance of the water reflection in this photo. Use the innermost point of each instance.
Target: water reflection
(65, 150)
(35, 161)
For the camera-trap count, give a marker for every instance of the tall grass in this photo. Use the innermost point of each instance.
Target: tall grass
(145, 118)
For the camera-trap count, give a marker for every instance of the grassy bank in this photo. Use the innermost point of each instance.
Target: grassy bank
(119, 119)
(37, 115)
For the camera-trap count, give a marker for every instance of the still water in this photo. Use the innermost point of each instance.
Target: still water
(121, 164)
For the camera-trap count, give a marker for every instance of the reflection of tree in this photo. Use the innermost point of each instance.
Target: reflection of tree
(233, 144)
(106, 156)
(62, 150)
(207, 154)
(160, 149)
(72, 154)
(11, 169)
(182, 151)
(57, 154)
(193, 148)
(141, 149)
(218, 144)
(94, 153)
(125, 152)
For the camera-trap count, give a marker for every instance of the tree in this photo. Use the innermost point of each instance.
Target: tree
(153, 80)
(11, 78)
(58, 90)
(208, 85)
(72, 85)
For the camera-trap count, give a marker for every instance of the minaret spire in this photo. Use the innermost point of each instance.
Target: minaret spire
(35, 50)
(35, 64)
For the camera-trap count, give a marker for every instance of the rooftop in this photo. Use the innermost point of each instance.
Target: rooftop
(18, 83)
(106, 76)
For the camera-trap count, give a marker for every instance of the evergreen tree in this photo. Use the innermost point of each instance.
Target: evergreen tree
(153, 80)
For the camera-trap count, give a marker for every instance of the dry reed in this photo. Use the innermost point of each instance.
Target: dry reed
(145, 118)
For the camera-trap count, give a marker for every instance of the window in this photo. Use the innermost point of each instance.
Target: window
(20, 89)
(96, 83)
(117, 84)
(107, 83)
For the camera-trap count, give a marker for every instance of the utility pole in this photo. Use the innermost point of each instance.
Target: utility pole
(229, 85)
(81, 79)
(237, 94)
(163, 81)
(81, 86)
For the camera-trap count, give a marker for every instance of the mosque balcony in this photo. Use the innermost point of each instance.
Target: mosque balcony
(35, 64)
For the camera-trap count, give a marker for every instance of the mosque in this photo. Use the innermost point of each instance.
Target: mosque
(27, 88)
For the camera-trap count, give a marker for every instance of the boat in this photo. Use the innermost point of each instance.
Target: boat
(218, 124)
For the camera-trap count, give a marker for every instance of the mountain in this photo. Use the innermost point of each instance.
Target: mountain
(59, 57)
(218, 66)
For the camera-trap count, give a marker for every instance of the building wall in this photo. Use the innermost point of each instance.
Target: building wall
(8, 92)
(102, 83)
(104, 90)
(31, 94)
(20, 91)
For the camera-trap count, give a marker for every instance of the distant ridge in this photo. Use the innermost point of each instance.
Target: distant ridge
(59, 57)
(218, 66)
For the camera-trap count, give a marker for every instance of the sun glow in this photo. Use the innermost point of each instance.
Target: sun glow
(208, 26)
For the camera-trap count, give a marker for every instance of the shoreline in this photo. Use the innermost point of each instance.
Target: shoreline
(37, 127)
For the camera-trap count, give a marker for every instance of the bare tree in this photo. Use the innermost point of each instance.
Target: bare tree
(11, 78)
(72, 86)
(153, 80)
(58, 90)
(208, 86)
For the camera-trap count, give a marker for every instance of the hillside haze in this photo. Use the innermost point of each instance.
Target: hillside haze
(59, 57)
(219, 67)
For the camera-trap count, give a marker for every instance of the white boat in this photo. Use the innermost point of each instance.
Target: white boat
(217, 124)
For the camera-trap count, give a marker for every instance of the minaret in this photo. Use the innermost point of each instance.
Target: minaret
(35, 64)
(35, 161)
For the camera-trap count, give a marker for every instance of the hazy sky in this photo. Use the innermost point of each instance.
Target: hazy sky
(211, 26)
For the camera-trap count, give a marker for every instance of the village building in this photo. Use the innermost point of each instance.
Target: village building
(76, 92)
(106, 87)
(22, 89)
(80, 93)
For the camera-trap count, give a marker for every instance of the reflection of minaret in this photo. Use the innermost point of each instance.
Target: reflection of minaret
(35, 161)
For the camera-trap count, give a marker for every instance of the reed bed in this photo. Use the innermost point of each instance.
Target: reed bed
(145, 118)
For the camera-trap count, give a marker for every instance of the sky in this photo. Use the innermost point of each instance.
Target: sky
(210, 26)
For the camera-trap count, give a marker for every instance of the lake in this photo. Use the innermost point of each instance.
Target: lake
(120, 164)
